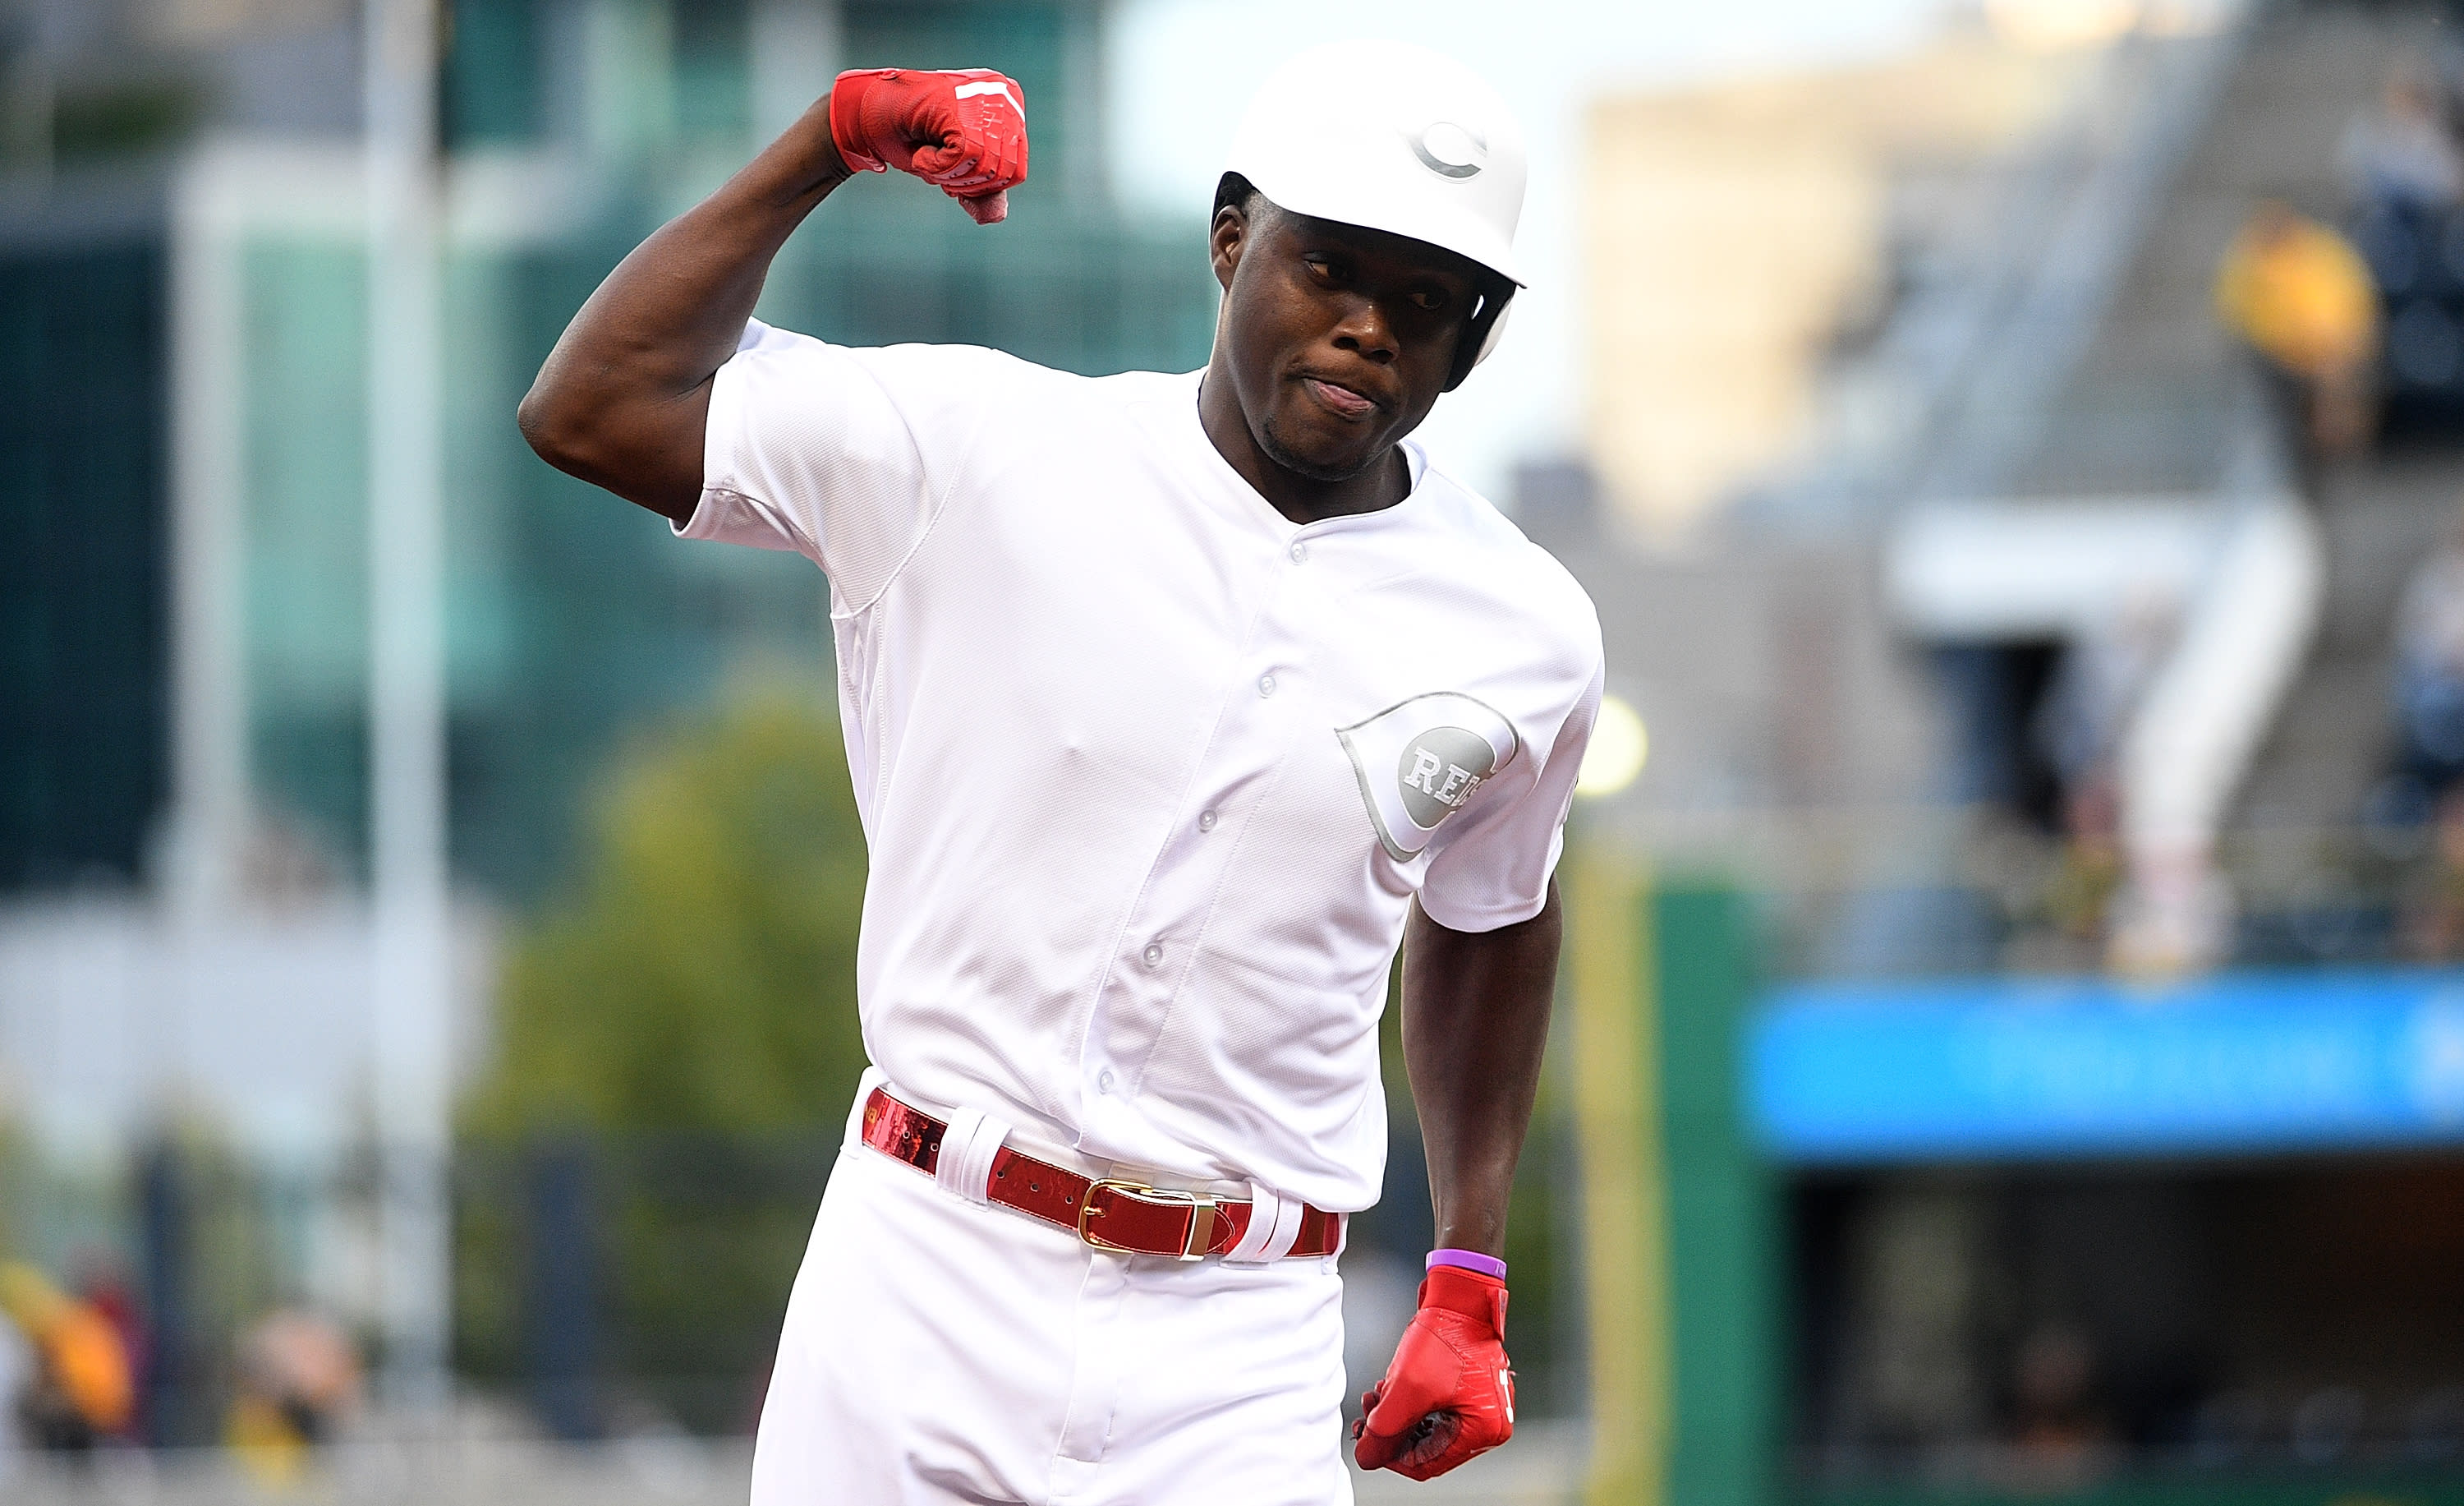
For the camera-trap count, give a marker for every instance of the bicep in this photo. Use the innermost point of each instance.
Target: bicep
(645, 447)
(1509, 965)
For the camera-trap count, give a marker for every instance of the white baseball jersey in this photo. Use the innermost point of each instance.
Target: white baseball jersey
(1150, 774)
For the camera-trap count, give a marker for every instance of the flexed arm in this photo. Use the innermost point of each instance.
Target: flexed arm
(623, 398)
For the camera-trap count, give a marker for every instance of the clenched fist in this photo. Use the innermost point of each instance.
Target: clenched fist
(1450, 1393)
(964, 132)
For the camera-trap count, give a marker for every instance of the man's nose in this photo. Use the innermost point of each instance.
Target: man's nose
(1365, 332)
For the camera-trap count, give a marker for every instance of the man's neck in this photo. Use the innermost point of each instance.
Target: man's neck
(1302, 498)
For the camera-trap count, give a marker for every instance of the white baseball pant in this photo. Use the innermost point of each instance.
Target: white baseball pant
(937, 1350)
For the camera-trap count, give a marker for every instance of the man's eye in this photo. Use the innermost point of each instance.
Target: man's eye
(1430, 299)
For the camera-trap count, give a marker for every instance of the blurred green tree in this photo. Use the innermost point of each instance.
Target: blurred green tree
(702, 976)
(683, 1022)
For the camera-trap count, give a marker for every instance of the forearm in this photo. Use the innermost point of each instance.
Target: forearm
(672, 311)
(1475, 1023)
(636, 361)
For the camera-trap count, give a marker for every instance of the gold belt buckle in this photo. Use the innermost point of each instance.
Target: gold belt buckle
(1201, 1216)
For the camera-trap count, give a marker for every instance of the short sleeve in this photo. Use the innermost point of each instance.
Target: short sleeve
(839, 453)
(1495, 870)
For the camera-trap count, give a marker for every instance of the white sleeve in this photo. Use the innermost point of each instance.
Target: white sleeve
(842, 454)
(1495, 870)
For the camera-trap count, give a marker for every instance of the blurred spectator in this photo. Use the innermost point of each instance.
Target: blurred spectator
(103, 1285)
(2433, 912)
(2434, 1426)
(2080, 727)
(81, 1390)
(2299, 295)
(2080, 892)
(299, 1383)
(2430, 668)
(2060, 1430)
(2403, 157)
(2428, 781)
(2098, 685)
(2326, 1424)
(2174, 913)
(16, 1376)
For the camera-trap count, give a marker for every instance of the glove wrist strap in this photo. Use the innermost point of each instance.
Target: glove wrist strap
(1470, 1293)
(847, 105)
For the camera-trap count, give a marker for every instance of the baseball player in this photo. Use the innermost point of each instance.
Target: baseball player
(1174, 703)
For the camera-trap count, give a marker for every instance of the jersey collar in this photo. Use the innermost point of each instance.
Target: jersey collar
(1249, 504)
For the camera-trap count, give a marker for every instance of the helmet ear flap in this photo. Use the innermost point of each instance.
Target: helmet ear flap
(1482, 332)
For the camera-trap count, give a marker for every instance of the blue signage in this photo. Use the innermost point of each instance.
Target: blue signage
(2024, 1067)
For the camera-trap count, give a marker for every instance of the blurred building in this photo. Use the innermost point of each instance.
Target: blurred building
(184, 789)
(1946, 480)
(1758, 230)
(188, 1032)
(2021, 707)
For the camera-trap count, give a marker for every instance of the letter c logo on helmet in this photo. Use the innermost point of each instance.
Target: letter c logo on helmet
(1449, 150)
(1394, 136)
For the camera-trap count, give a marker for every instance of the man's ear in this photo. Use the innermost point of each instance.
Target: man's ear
(1225, 240)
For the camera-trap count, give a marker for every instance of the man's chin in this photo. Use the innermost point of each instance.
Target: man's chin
(1327, 463)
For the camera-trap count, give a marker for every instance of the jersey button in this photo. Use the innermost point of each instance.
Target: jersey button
(1300, 552)
(1207, 821)
(1104, 1080)
(1153, 955)
(1266, 684)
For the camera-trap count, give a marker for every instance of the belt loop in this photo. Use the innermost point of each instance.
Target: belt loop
(1265, 1206)
(968, 1145)
(1287, 1228)
(1274, 1224)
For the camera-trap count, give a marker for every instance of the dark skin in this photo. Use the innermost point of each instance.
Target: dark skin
(1334, 343)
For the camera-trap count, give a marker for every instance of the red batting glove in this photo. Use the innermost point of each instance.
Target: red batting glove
(964, 132)
(1450, 1392)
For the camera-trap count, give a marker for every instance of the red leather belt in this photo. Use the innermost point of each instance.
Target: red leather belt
(1107, 1212)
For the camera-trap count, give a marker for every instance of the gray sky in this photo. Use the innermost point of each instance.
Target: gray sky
(1182, 68)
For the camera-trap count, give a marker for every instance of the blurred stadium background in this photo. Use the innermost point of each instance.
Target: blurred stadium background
(2012, 1042)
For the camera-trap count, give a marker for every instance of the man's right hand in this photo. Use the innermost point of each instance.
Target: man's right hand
(623, 400)
(964, 131)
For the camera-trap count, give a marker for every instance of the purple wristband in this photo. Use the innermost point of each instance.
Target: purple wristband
(1470, 1260)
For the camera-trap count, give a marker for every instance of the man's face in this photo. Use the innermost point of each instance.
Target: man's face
(1339, 339)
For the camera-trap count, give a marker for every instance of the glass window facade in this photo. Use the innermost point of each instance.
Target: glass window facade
(571, 616)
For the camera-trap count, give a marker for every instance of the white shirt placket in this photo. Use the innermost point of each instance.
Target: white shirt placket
(1261, 712)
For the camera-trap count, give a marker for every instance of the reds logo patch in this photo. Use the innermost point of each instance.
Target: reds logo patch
(1419, 762)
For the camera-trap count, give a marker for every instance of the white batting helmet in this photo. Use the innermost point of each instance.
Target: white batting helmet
(1396, 138)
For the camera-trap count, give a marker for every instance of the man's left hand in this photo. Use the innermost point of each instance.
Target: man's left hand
(1450, 1393)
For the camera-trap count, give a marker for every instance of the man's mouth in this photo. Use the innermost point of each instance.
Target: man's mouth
(1339, 400)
